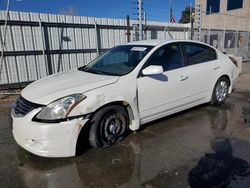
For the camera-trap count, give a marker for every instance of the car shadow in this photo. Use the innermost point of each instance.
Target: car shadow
(82, 144)
(159, 77)
(220, 168)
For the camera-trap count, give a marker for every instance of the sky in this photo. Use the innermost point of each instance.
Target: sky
(156, 10)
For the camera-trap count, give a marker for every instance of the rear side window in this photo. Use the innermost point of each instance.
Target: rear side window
(198, 53)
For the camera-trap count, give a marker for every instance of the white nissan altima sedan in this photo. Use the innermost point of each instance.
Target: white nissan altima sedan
(120, 90)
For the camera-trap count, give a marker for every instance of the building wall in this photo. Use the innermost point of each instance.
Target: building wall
(237, 19)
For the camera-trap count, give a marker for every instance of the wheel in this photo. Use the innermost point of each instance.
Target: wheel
(220, 91)
(109, 126)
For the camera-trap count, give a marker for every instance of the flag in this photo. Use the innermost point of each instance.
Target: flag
(172, 20)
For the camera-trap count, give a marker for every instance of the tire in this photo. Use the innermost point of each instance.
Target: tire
(220, 91)
(109, 127)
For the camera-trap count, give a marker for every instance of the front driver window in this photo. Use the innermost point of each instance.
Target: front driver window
(169, 57)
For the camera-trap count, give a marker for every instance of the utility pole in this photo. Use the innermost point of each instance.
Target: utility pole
(139, 3)
(198, 22)
(128, 28)
(145, 25)
(191, 21)
(209, 27)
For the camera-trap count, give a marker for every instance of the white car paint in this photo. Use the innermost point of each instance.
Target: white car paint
(146, 99)
(155, 90)
(59, 85)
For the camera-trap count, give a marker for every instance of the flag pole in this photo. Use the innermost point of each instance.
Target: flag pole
(169, 10)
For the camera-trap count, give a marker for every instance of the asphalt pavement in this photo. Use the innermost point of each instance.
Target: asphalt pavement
(207, 146)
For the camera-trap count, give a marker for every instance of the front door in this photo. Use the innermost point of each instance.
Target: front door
(160, 95)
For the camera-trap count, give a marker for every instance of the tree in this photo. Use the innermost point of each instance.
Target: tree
(185, 15)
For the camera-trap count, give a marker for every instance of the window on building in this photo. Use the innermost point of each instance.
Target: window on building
(234, 4)
(215, 6)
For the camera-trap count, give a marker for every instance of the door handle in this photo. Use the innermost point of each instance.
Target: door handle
(182, 78)
(216, 68)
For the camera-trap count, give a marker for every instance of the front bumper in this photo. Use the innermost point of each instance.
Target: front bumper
(47, 139)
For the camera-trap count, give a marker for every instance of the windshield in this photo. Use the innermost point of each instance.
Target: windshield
(118, 61)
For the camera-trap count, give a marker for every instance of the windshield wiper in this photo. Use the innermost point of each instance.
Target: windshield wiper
(111, 74)
(89, 70)
(94, 71)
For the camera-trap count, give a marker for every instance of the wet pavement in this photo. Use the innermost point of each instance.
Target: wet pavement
(206, 146)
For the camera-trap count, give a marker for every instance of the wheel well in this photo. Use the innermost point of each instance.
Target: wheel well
(227, 77)
(82, 140)
(124, 104)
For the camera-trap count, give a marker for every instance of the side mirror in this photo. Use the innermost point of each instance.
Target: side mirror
(152, 70)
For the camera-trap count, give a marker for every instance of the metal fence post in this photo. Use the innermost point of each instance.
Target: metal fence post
(224, 34)
(47, 49)
(97, 36)
(237, 37)
(248, 39)
(45, 41)
(60, 48)
(4, 38)
(128, 28)
(165, 32)
(169, 32)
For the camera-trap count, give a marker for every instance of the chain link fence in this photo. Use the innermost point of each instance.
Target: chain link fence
(230, 42)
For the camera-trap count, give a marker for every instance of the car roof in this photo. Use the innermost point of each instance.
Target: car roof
(155, 43)
(146, 42)
(158, 42)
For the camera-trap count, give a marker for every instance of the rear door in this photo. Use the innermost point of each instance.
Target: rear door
(203, 66)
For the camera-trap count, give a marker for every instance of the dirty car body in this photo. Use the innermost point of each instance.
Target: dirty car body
(129, 85)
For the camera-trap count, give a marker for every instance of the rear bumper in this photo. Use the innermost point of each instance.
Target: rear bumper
(47, 139)
(234, 78)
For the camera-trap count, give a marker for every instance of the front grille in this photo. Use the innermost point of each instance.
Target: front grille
(22, 107)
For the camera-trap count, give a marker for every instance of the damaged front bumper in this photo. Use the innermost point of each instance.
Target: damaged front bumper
(47, 139)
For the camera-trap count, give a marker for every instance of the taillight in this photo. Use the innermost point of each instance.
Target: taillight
(234, 61)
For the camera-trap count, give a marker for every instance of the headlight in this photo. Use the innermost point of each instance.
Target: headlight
(60, 108)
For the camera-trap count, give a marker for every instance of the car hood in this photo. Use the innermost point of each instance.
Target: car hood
(51, 88)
